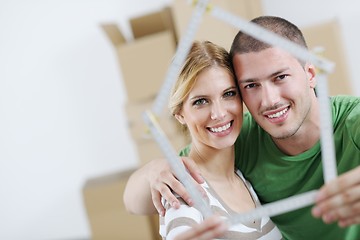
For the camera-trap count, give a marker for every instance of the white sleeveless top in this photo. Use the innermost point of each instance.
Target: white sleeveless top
(180, 220)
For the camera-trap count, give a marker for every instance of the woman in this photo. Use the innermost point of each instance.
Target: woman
(206, 101)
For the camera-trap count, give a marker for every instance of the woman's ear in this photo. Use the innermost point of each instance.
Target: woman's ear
(180, 118)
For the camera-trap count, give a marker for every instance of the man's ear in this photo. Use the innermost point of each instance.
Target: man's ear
(311, 73)
(180, 118)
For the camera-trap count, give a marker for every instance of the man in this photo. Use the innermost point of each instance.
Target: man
(278, 149)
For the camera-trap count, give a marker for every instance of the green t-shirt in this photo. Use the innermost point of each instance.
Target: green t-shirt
(276, 176)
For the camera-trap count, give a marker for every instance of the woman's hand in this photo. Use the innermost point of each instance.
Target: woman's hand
(210, 228)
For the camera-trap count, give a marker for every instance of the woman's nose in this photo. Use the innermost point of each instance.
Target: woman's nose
(218, 111)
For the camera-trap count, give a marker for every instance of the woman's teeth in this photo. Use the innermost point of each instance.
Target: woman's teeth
(220, 129)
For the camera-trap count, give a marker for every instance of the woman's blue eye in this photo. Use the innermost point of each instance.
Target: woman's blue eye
(230, 94)
(200, 101)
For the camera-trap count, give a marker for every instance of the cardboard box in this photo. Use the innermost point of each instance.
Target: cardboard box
(107, 216)
(148, 149)
(328, 36)
(210, 27)
(138, 128)
(153, 22)
(143, 61)
(146, 145)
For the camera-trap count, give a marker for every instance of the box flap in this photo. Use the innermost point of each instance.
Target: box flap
(114, 34)
(108, 178)
(328, 36)
(151, 23)
(144, 63)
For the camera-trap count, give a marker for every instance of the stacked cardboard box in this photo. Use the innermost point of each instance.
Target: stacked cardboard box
(327, 35)
(144, 62)
(211, 28)
(108, 218)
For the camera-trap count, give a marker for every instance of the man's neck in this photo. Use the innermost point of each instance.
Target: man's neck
(297, 145)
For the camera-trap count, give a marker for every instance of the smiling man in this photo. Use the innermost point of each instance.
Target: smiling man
(278, 149)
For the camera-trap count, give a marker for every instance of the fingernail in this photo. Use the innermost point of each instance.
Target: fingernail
(343, 224)
(175, 205)
(201, 176)
(328, 218)
(316, 211)
(333, 217)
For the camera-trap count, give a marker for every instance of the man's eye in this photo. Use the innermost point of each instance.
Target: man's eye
(251, 85)
(281, 77)
(200, 101)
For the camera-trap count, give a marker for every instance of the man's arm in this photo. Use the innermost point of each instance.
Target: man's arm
(155, 179)
(137, 195)
(339, 200)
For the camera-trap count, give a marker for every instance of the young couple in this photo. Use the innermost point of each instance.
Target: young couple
(277, 151)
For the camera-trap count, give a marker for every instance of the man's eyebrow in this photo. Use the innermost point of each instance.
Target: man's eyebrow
(251, 80)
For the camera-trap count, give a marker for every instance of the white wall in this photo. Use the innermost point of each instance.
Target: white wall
(61, 99)
(61, 111)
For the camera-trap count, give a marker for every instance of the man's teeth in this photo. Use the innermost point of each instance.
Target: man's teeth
(220, 129)
(278, 114)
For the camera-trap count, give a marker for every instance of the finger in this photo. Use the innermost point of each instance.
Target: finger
(166, 192)
(179, 189)
(337, 185)
(209, 229)
(214, 232)
(160, 188)
(342, 213)
(349, 221)
(339, 205)
(193, 169)
(156, 199)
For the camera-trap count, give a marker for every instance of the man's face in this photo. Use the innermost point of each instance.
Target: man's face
(277, 90)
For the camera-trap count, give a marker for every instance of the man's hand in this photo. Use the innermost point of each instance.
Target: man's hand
(163, 183)
(339, 200)
(210, 228)
(145, 186)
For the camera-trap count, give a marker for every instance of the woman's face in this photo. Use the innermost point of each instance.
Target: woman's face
(213, 109)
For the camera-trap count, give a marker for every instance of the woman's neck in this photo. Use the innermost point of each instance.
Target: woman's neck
(214, 163)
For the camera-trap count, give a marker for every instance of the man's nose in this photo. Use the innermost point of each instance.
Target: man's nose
(270, 95)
